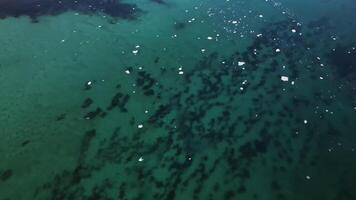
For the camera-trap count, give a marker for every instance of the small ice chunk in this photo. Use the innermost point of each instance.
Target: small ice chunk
(259, 35)
(305, 121)
(209, 38)
(180, 72)
(293, 30)
(260, 16)
(284, 78)
(308, 177)
(278, 50)
(140, 159)
(127, 71)
(241, 63)
(140, 126)
(135, 51)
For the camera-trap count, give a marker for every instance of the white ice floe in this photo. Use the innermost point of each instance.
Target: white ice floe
(209, 38)
(278, 50)
(284, 78)
(241, 63)
(135, 51)
(140, 159)
(140, 126)
(127, 71)
(305, 121)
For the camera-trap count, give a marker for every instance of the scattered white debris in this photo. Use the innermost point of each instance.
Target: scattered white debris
(140, 126)
(284, 78)
(241, 63)
(234, 22)
(135, 51)
(259, 35)
(180, 72)
(241, 88)
(293, 30)
(140, 159)
(209, 38)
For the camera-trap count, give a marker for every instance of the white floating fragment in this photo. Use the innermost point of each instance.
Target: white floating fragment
(278, 50)
(305, 121)
(259, 35)
(146, 111)
(260, 16)
(180, 72)
(140, 159)
(321, 78)
(135, 51)
(209, 38)
(284, 78)
(292, 83)
(241, 63)
(308, 177)
(140, 126)
(293, 30)
(202, 50)
(127, 71)
(89, 83)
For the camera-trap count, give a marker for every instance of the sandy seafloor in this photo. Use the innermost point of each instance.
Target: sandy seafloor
(184, 102)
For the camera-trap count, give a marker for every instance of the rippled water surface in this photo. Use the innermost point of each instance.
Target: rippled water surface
(177, 99)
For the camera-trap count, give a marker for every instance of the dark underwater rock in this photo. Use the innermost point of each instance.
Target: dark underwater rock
(37, 8)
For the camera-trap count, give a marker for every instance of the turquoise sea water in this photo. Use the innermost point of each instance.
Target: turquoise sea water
(178, 99)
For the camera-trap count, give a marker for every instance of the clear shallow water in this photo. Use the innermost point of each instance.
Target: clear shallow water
(178, 100)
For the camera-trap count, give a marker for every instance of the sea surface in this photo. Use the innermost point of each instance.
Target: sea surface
(178, 100)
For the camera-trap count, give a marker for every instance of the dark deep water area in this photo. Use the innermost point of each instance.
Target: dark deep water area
(177, 99)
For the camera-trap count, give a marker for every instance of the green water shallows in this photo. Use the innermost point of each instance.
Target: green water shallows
(191, 100)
